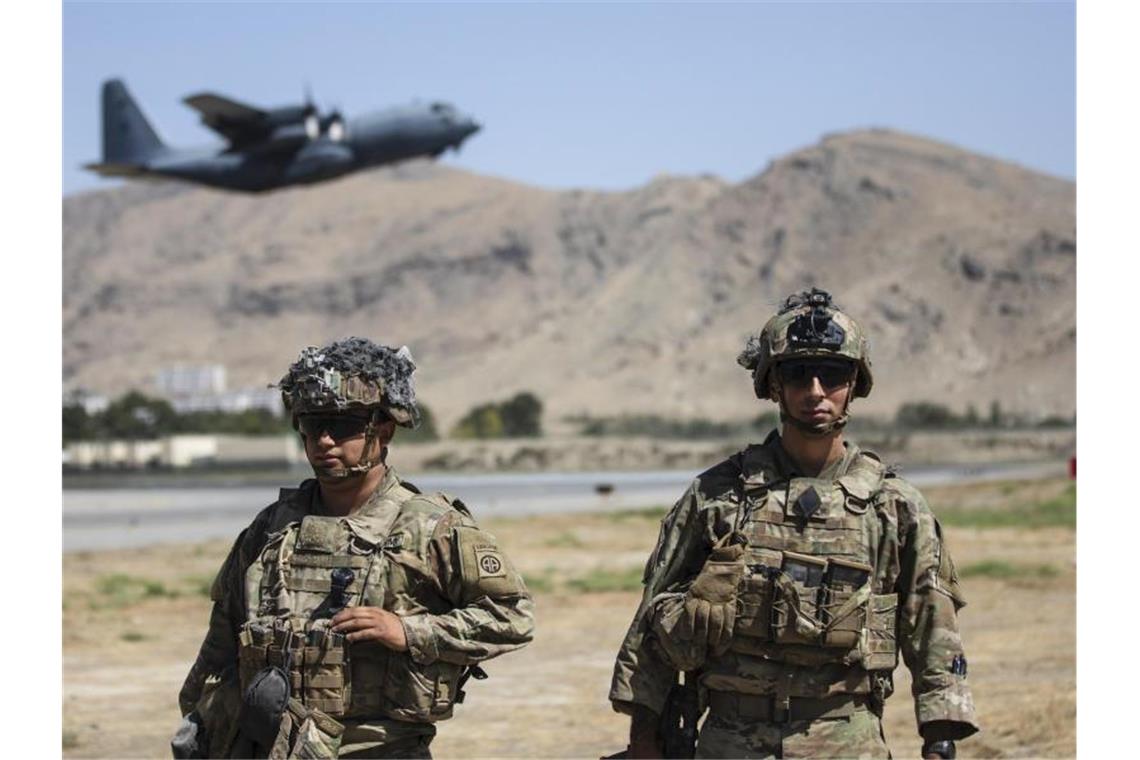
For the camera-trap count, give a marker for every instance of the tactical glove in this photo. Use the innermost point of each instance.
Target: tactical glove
(710, 603)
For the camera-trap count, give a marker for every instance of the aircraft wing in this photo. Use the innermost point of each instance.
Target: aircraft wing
(237, 122)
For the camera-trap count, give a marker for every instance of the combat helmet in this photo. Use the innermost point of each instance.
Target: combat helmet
(348, 374)
(809, 324)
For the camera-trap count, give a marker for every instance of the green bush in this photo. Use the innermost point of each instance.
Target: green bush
(136, 416)
(924, 414)
(522, 416)
(517, 417)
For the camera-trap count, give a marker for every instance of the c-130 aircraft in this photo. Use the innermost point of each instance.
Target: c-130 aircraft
(274, 147)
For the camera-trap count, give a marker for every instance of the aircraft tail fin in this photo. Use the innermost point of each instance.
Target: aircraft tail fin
(128, 137)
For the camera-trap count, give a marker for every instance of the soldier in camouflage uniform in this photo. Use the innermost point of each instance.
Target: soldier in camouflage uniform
(349, 614)
(788, 578)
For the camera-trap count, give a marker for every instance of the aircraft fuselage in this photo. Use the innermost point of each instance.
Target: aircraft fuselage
(271, 148)
(370, 140)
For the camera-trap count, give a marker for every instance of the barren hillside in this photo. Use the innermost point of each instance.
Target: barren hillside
(962, 267)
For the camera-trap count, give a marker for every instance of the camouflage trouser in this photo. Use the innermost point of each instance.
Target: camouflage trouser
(859, 735)
(387, 738)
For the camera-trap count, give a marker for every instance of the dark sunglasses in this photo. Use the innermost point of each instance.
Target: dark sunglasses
(831, 374)
(338, 426)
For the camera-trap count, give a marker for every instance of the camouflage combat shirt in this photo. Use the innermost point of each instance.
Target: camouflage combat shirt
(449, 612)
(913, 563)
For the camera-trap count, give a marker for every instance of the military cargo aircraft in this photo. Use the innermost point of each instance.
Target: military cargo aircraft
(268, 148)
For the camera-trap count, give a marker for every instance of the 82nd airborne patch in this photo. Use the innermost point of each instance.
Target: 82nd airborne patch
(490, 563)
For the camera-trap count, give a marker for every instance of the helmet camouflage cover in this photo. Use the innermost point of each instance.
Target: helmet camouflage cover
(353, 373)
(808, 324)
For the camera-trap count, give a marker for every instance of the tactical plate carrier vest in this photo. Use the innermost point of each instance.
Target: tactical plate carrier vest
(288, 593)
(816, 592)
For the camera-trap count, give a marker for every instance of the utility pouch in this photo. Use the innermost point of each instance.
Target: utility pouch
(754, 598)
(326, 672)
(420, 693)
(305, 732)
(795, 604)
(844, 616)
(878, 646)
(263, 704)
(254, 639)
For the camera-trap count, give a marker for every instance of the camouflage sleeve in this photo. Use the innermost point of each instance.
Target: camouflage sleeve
(218, 652)
(493, 610)
(642, 674)
(930, 597)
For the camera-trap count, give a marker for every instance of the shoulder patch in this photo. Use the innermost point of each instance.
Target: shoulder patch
(490, 563)
(484, 569)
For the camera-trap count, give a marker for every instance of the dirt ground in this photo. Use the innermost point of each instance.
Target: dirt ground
(133, 620)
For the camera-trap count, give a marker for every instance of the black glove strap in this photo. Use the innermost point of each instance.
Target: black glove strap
(943, 748)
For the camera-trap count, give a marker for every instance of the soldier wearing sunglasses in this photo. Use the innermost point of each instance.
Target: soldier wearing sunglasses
(789, 579)
(350, 614)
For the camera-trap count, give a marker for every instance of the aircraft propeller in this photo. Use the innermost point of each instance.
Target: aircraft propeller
(333, 125)
(330, 124)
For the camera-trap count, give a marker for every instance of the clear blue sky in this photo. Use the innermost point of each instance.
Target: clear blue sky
(600, 95)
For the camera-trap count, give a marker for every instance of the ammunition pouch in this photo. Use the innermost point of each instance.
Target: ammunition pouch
(754, 619)
(814, 611)
(844, 603)
(878, 645)
(322, 675)
(795, 603)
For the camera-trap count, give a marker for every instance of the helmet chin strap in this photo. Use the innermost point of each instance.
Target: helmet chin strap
(361, 468)
(821, 429)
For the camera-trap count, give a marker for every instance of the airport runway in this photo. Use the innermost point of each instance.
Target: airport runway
(116, 518)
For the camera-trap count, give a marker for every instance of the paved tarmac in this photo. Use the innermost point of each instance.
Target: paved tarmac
(115, 518)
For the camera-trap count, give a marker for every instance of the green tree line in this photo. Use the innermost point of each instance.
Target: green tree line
(135, 416)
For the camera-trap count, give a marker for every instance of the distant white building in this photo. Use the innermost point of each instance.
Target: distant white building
(188, 380)
(179, 451)
(202, 388)
(239, 400)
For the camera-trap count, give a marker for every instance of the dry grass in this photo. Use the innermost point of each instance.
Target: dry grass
(133, 621)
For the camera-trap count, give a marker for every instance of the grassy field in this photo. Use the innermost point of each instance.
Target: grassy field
(133, 620)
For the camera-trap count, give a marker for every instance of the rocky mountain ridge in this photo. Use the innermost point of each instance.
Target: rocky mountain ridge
(961, 267)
